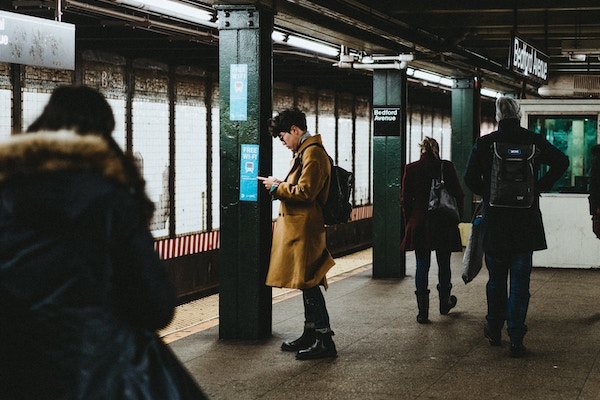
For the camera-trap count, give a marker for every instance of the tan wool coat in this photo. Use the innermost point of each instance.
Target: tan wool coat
(299, 256)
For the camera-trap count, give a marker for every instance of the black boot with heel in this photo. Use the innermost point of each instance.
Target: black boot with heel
(423, 304)
(447, 302)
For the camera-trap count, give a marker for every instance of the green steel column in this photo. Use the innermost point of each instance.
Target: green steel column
(245, 101)
(389, 143)
(465, 129)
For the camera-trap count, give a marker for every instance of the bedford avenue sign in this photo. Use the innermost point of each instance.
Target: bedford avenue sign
(387, 121)
(528, 61)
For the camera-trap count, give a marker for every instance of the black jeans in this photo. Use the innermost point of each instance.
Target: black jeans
(315, 311)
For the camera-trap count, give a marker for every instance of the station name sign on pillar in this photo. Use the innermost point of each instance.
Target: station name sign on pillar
(387, 121)
(528, 61)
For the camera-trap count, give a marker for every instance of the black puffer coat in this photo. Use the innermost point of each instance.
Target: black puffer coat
(79, 278)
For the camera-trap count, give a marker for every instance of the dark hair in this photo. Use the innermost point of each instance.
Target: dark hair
(284, 121)
(86, 111)
(79, 108)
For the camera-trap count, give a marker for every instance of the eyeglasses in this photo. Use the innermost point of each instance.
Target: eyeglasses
(282, 136)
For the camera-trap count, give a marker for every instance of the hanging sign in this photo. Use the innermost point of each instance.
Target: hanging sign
(36, 41)
(249, 173)
(528, 61)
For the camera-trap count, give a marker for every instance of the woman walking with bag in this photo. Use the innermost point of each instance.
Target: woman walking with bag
(428, 231)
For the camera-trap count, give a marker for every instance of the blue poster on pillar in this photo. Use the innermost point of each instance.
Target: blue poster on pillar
(238, 92)
(249, 173)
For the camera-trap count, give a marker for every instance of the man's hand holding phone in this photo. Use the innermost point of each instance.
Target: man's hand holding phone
(269, 182)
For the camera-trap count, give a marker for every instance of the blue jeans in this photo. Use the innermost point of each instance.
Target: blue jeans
(423, 264)
(315, 312)
(502, 305)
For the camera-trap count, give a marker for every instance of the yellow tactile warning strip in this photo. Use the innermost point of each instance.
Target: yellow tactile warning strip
(202, 314)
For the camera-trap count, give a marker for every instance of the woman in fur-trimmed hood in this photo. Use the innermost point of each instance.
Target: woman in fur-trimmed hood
(82, 291)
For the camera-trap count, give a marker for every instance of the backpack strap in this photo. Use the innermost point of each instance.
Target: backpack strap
(301, 155)
(298, 161)
(315, 144)
(441, 170)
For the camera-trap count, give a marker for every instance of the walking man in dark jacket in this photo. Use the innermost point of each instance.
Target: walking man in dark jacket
(511, 235)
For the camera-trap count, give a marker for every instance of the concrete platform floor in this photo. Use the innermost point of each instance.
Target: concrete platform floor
(384, 354)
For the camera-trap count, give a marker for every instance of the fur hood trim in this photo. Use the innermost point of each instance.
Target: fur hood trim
(40, 153)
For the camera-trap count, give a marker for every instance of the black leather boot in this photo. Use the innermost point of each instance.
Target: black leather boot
(303, 342)
(423, 304)
(447, 302)
(323, 347)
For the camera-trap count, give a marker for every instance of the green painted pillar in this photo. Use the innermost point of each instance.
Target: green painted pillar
(465, 129)
(245, 101)
(389, 144)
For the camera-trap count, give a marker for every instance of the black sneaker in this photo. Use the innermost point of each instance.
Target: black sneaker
(494, 337)
(517, 350)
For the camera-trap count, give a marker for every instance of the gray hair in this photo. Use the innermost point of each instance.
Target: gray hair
(507, 108)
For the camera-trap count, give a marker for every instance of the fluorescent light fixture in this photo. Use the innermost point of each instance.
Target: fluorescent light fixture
(279, 36)
(175, 9)
(305, 44)
(427, 76)
(489, 93)
(577, 57)
(312, 46)
(446, 81)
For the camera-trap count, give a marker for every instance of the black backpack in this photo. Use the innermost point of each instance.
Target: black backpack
(512, 178)
(337, 209)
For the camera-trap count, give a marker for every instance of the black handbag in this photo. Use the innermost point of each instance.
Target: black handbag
(165, 376)
(147, 370)
(441, 202)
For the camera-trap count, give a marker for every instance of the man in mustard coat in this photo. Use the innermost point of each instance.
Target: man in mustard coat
(299, 256)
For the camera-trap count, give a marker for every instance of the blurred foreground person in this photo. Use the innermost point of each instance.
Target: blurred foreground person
(82, 291)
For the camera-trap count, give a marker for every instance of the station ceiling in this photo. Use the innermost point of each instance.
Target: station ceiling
(456, 39)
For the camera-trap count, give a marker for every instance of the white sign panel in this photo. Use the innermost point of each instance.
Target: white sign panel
(36, 41)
